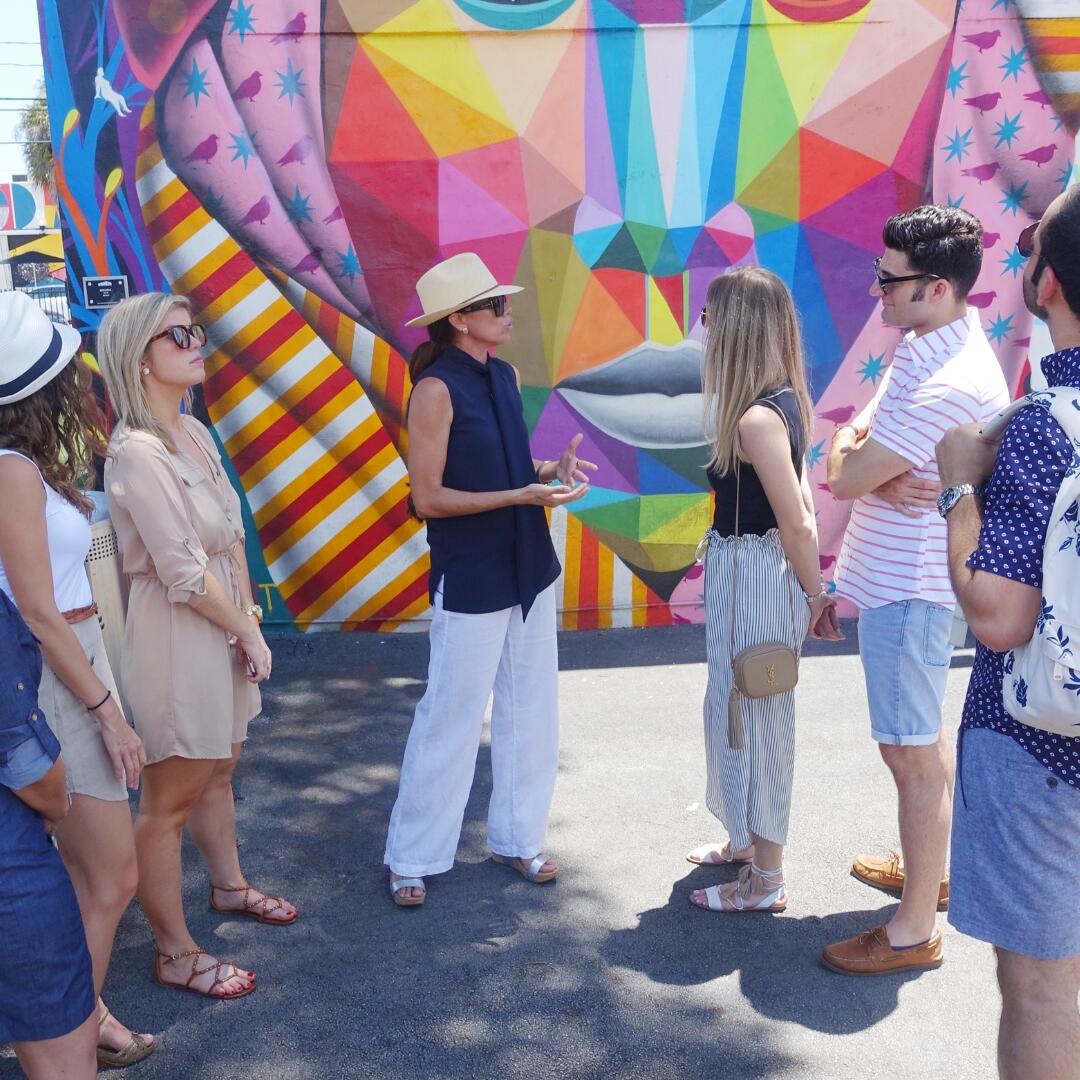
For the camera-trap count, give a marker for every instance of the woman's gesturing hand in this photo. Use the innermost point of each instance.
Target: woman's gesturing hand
(552, 495)
(569, 468)
(823, 621)
(124, 747)
(253, 648)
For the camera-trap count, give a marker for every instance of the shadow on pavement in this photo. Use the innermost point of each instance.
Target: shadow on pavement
(776, 957)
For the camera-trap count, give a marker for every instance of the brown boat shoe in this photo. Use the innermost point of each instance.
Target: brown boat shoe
(870, 953)
(888, 875)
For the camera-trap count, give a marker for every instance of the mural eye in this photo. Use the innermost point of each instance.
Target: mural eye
(514, 14)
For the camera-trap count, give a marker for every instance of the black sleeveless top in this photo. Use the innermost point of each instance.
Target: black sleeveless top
(755, 514)
(499, 558)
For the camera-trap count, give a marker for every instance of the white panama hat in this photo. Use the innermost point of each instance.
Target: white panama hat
(34, 349)
(455, 283)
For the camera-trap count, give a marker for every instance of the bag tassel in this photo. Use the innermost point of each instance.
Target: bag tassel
(735, 725)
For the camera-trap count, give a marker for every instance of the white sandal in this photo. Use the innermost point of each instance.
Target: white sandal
(711, 855)
(530, 870)
(408, 883)
(773, 895)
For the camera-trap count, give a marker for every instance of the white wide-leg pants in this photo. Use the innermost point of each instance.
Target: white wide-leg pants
(472, 657)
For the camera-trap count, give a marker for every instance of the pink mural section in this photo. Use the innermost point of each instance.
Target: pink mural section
(295, 165)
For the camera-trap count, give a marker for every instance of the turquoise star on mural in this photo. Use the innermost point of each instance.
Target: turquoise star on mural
(1013, 263)
(958, 201)
(1066, 175)
(1015, 62)
(299, 206)
(350, 264)
(290, 82)
(1003, 4)
(1008, 130)
(243, 146)
(1015, 194)
(195, 82)
(814, 454)
(872, 369)
(957, 77)
(1058, 123)
(241, 20)
(999, 329)
(958, 145)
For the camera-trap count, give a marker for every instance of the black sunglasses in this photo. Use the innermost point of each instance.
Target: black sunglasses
(885, 280)
(182, 336)
(1025, 242)
(496, 303)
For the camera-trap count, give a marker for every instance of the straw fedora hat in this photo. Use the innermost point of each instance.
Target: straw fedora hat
(35, 349)
(455, 283)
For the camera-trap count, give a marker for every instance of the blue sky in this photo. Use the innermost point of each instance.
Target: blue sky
(20, 71)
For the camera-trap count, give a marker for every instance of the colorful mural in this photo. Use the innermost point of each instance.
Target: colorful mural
(25, 206)
(294, 165)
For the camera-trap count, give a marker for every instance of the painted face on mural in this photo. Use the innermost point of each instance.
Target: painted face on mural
(612, 156)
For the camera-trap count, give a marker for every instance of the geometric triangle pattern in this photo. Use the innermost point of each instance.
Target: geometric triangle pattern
(612, 156)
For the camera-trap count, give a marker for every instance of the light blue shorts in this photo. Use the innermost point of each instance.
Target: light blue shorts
(1015, 873)
(905, 651)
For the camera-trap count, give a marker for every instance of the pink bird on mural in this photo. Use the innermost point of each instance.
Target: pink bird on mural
(334, 215)
(990, 239)
(824, 487)
(298, 152)
(983, 172)
(294, 30)
(986, 40)
(981, 300)
(1041, 154)
(258, 213)
(826, 561)
(1039, 97)
(1023, 342)
(205, 151)
(838, 416)
(309, 263)
(249, 89)
(984, 102)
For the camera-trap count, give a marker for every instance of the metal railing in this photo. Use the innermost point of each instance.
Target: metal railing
(51, 300)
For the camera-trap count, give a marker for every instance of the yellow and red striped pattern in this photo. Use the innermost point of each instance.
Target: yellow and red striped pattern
(324, 480)
(1055, 48)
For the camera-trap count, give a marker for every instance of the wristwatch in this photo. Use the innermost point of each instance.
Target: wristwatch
(952, 495)
(253, 609)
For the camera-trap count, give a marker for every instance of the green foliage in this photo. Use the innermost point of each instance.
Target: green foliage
(33, 131)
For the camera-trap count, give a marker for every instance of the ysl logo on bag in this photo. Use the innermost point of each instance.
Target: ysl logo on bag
(770, 674)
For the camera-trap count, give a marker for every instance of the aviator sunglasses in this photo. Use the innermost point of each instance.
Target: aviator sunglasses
(1025, 244)
(182, 336)
(496, 303)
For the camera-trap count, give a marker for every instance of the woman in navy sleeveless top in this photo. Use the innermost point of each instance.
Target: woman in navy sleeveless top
(758, 415)
(493, 569)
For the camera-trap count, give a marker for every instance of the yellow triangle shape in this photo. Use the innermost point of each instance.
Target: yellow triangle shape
(449, 125)
(808, 54)
(663, 329)
(425, 40)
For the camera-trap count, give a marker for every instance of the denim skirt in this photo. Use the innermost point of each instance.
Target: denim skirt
(46, 980)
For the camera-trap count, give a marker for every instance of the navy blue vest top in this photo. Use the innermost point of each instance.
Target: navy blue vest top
(500, 558)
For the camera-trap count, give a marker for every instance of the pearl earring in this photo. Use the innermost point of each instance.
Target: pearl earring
(464, 329)
(146, 371)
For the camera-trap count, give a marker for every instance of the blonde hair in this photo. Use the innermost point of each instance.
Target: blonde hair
(122, 341)
(752, 346)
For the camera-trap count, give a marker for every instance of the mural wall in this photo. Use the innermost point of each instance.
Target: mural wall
(294, 165)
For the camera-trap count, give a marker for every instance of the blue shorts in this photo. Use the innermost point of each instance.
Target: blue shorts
(905, 649)
(1015, 873)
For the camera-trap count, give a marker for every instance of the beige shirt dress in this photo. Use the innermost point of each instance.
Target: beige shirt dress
(185, 691)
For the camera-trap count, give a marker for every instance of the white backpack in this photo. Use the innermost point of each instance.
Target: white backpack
(1041, 683)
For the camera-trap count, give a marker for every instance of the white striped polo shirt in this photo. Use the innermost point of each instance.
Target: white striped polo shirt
(945, 378)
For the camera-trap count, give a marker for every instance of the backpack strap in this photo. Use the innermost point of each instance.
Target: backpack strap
(1062, 402)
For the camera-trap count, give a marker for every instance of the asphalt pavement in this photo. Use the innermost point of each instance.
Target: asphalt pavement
(608, 972)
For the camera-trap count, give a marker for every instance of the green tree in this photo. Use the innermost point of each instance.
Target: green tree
(33, 131)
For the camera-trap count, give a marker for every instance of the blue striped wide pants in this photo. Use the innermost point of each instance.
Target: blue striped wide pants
(749, 789)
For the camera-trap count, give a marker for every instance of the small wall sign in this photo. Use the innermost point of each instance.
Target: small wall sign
(103, 292)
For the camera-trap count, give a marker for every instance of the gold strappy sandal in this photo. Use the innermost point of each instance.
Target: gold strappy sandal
(255, 909)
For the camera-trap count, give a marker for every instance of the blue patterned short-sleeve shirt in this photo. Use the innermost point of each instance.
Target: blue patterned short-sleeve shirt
(1032, 461)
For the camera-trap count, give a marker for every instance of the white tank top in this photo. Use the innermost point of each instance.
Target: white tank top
(69, 544)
